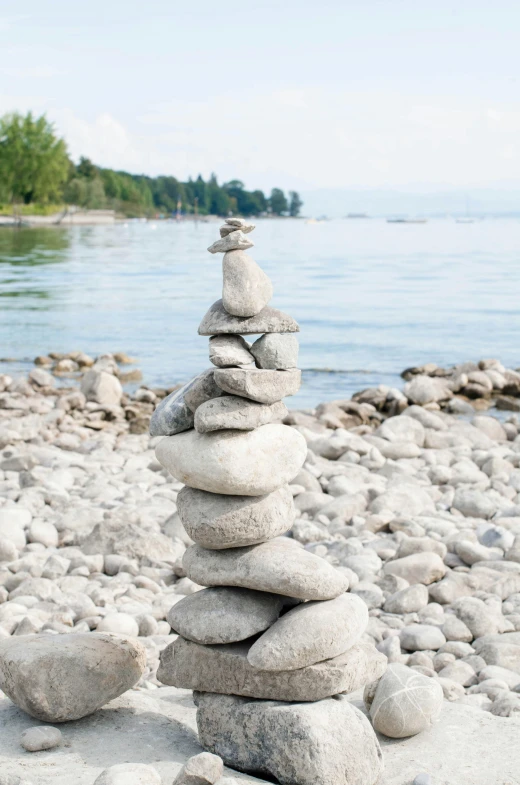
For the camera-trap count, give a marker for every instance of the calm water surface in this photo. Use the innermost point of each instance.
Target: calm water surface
(372, 298)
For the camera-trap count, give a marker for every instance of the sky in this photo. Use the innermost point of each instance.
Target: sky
(409, 95)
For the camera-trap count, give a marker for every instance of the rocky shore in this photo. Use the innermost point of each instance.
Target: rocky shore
(413, 494)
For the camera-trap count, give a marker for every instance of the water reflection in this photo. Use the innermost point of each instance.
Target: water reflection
(33, 246)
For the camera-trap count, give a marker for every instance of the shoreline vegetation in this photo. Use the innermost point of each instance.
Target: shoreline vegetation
(38, 182)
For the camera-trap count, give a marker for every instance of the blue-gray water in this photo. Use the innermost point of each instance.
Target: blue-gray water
(371, 297)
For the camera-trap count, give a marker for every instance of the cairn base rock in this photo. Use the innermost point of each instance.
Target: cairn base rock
(225, 669)
(325, 743)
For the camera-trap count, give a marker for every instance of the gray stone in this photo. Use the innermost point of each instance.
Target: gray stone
(227, 351)
(422, 637)
(404, 702)
(235, 241)
(246, 288)
(233, 413)
(310, 633)
(222, 521)
(244, 227)
(224, 614)
(173, 414)
(409, 600)
(42, 738)
(225, 669)
(218, 321)
(129, 774)
(202, 769)
(280, 566)
(246, 463)
(473, 503)
(56, 678)
(101, 387)
(422, 568)
(325, 743)
(240, 223)
(257, 384)
(276, 351)
(203, 388)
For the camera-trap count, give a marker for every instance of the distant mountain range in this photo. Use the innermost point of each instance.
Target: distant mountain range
(338, 203)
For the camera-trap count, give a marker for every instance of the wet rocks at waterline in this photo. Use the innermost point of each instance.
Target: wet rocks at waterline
(275, 623)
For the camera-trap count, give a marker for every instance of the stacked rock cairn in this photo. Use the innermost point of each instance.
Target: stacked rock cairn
(274, 643)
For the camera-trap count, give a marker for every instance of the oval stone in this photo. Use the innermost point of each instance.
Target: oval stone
(404, 702)
(245, 463)
(259, 384)
(310, 633)
(280, 566)
(224, 614)
(246, 288)
(233, 413)
(218, 521)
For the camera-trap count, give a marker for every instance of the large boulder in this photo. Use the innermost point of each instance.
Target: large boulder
(56, 678)
(248, 463)
(325, 743)
(222, 521)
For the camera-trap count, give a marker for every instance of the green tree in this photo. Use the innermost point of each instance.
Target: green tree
(34, 165)
(278, 202)
(86, 168)
(295, 204)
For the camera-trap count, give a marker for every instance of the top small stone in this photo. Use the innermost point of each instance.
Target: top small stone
(232, 224)
(235, 241)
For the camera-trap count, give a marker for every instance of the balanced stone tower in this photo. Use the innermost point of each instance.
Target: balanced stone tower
(274, 643)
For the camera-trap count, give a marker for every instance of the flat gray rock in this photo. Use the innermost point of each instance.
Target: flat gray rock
(224, 614)
(233, 413)
(226, 351)
(325, 743)
(310, 633)
(404, 702)
(203, 388)
(238, 223)
(221, 521)
(279, 566)
(56, 678)
(264, 386)
(226, 670)
(173, 414)
(246, 288)
(234, 241)
(269, 320)
(276, 351)
(245, 463)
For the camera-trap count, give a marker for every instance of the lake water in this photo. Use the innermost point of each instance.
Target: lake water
(371, 297)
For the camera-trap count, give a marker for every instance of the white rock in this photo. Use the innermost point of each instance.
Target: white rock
(226, 351)
(218, 321)
(129, 774)
(264, 386)
(422, 568)
(40, 738)
(276, 351)
(249, 463)
(246, 288)
(235, 241)
(120, 623)
(202, 769)
(233, 413)
(101, 387)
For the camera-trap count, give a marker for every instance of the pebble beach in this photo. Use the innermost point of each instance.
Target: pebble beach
(412, 493)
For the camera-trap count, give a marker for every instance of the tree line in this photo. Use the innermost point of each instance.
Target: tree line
(35, 169)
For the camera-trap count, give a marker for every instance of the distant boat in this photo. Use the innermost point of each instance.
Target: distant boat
(406, 220)
(464, 220)
(357, 215)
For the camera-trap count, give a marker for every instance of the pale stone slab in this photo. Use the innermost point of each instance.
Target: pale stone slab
(325, 743)
(232, 412)
(276, 351)
(403, 702)
(235, 241)
(310, 633)
(240, 223)
(129, 774)
(226, 351)
(270, 320)
(222, 521)
(264, 386)
(56, 678)
(201, 769)
(225, 669)
(279, 566)
(246, 288)
(246, 463)
(224, 614)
